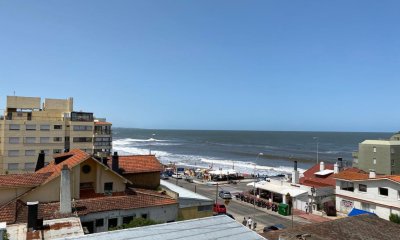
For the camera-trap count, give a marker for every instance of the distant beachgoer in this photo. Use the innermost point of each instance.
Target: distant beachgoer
(244, 221)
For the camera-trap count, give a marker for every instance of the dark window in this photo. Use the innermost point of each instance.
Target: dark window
(57, 139)
(126, 220)
(57, 126)
(362, 187)
(108, 187)
(383, 191)
(144, 215)
(112, 222)
(204, 208)
(82, 139)
(86, 169)
(99, 222)
(347, 186)
(81, 116)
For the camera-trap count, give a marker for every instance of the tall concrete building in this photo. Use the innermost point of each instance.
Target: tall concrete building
(383, 156)
(28, 127)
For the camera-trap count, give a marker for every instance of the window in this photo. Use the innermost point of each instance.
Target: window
(29, 166)
(127, 219)
(44, 140)
(112, 222)
(362, 187)
(392, 162)
(374, 160)
(374, 149)
(83, 128)
(57, 127)
(100, 222)
(57, 139)
(45, 127)
(82, 139)
(13, 140)
(204, 208)
(46, 152)
(108, 187)
(55, 151)
(13, 166)
(144, 215)
(13, 153)
(30, 152)
(30, 140)
(30, 127)
(383, 191)
(14, 127)
(347, 186)
(392, 151)
(82, 116)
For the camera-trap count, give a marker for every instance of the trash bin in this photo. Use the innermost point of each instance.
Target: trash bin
(283, 209)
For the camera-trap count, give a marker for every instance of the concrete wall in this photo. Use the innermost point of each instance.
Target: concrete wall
(49, 192)
(144, 180)
(8, 194)
(162, 214)
(193, 212)
(383, 155)
(23, 102)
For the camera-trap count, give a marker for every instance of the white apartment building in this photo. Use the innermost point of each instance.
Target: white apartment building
(30, 126)
(378, 194)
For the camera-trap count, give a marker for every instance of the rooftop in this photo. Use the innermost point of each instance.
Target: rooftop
(355, 174)
(23, 180)
(183, 193)
(381, 142)
(359, 227)
(312, 179)
(138, 164)
(217, 227)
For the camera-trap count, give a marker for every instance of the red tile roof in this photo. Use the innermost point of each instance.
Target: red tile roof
(102, 123)
(312, 180)
(138, 164)
(23, 180)
(355, 174)
(82, 207)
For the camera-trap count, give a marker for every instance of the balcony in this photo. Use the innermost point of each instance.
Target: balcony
(103, 132)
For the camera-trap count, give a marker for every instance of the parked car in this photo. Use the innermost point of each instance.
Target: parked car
(273, 228)
(164, 176)
(219, 208)
(225, 195)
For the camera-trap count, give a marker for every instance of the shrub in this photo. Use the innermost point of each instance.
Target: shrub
(394, 218)
(136, 222)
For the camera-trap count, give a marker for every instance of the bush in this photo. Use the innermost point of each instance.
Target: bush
(5, 235)
(136, 222)
(394, 218)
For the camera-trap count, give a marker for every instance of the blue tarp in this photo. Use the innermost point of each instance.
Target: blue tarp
(355, 212)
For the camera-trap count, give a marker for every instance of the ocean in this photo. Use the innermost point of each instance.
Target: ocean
(240, 149)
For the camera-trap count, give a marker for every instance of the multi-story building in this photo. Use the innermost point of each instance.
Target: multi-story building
(383, 156)
(379, 194)
(28, 127)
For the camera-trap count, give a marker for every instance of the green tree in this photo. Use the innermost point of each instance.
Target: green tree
(394, 218)
(136, 222)
(5, 235)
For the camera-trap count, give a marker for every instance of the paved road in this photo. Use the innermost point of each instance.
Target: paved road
(237, 208)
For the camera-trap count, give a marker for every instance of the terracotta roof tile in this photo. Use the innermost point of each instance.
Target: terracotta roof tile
(102, 123)
(312, 180)
(23, 180)
(138, 164)
(355, 174)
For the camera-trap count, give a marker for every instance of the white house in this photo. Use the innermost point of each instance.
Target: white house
(379, 194)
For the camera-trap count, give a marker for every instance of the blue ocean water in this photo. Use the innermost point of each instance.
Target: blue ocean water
(240, 149)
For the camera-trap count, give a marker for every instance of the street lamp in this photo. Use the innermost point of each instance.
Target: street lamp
(317, 139)
(254, 184)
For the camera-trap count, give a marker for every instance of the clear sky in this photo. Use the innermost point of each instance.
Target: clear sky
(251, 65)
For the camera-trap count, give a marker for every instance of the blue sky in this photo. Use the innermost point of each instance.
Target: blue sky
(253, 65)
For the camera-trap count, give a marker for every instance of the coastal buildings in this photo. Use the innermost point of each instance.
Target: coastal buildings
(383, 156)
(379, 194)
(28, 127)
(76, 184)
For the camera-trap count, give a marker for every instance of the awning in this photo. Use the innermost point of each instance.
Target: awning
(281, 189)
(223, 172)
(356, 211)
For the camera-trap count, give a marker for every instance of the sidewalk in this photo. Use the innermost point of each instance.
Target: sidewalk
(310, 217)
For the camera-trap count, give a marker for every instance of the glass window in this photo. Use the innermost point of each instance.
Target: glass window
(204, 208)
(127, 219)
(30, 127)
(82, 139)
(82, 128)
(56, 151)
(13, 140)
(362, 187)
(57, 127)
(45, 127)
(144, 215)
(374, 149)
(374, 160)
(57, 139)
(44, 140)
(13, 166)
(14, 127)
(108, 187)
(29, 166)
(383, 191)
(100, 222)
(13, 153)
(30, 140)
(30, 152)
(112, 222)
(46, 152)
(347, 186)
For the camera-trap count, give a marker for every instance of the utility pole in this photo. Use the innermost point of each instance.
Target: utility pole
(216, 194)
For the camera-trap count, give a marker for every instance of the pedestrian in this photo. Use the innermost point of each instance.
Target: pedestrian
(306, 208)
(244, 221)
(249, 222)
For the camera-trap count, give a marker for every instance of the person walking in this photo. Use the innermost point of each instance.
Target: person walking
(244, 222)
(249, 222)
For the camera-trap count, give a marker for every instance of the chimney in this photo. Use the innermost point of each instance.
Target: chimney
(321, 166)
(65, 191)
(335, 168)
(40, 161)
(340, 163)
(295, 174)
(372, 173)
(32, 215)
(104, 160)
(115, 162)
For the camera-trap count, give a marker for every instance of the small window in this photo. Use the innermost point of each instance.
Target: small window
(30, 152)
(204, 208)
(30, 140)
(362, 187)
(13, 166)
(46, 152)
(57, 139)
(14, 127)
(86, 169)
(13, 153)
(29, 166)
(57, 127)
(392, 151)
(126, 220)
(383, 191)
(44, 140)
(112, 222)
(45, 127)
(374, 149)
(144, 215)
(30, 127)
(347, 186)
(13, 140)
(100, 222)
(108, 187)
(56, 151)
(374, 160)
